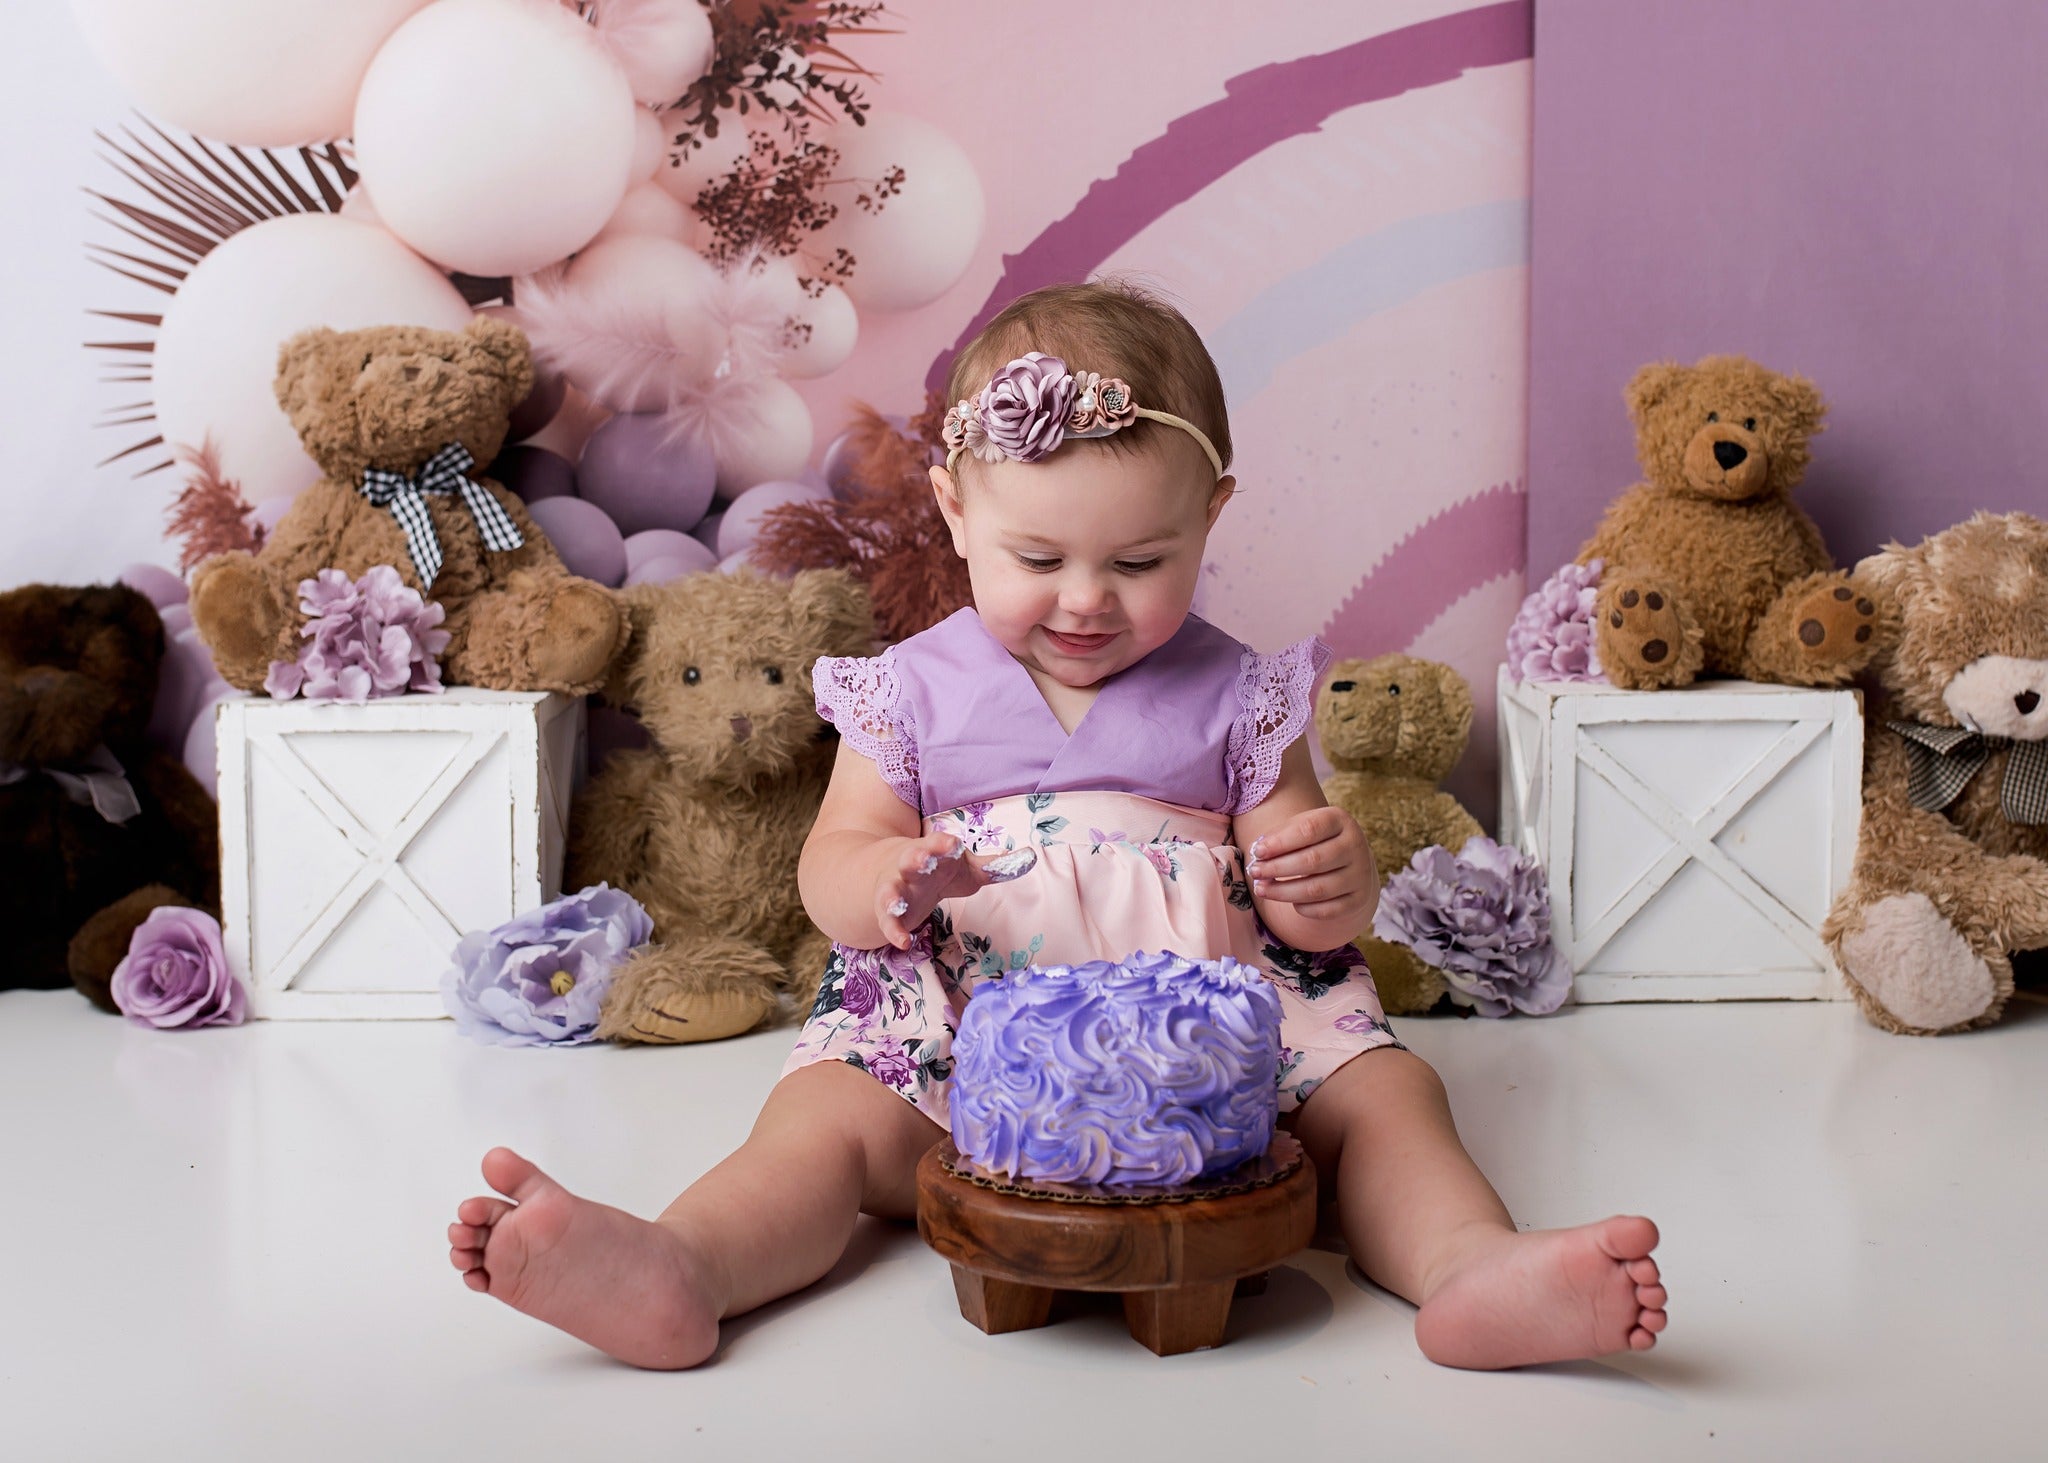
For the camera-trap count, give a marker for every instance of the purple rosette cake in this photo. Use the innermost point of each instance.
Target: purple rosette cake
(1156, 1070)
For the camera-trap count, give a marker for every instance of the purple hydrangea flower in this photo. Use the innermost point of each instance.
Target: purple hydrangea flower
(1154, 1070)
(366, 637)
(1024, 406)
(176, 973)
(1482, 917)
(540, 979)
(1552, 637)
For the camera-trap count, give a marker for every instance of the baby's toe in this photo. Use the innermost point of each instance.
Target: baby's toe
(1640, 1340)
(1650, 1297)
(468, 1236)
(1652, 1320)
(465, 1259)
(1643, 1271)
(477, 1280)
(482, 1211)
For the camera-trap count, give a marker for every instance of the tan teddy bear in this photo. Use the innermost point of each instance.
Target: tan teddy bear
(705, 828)
(1393, 728)
(1951, 876)
(400, 419)
(1710, 567)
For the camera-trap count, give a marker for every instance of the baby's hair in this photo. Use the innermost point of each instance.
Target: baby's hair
(1116, 329)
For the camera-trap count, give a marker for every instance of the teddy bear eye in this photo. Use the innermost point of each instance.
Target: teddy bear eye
(1393, 690)
(1749, 424)
(1713, 416)
(691, 675)
(773, 674)
(1338, 686)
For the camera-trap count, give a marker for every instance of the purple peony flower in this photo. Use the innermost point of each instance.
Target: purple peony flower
(860, 996)
(1153, 1070)
(1552, 636)
(176, 973)
(890, 1063)
(366, 637)
(1024, 407)
(539, 979)
(1482, 917)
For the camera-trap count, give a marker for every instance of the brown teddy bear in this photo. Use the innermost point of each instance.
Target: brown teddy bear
(1710, 567)
(96, 829)
(398, 417)
(1951, 876)
(705, 827)
(1393, 728)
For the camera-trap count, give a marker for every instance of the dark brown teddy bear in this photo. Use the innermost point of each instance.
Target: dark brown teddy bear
(96, 829)
(379, 409)
(705, 828)
(1710, 567)
(1951, 877)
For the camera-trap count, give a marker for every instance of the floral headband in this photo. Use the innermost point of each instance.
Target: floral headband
(1035, 403)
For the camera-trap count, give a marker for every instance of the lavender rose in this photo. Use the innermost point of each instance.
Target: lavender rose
(1552, 637)
(1155, 1070)
(1482, 917)
(1024, 407)
(540, 979)
(176, 973)
(366, 637)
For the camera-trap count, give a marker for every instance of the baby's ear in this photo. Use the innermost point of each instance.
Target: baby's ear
(831, 613)
(301, 361)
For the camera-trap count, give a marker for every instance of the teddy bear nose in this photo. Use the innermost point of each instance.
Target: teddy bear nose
(2027, 701)
(1729, 455)
(741, 728)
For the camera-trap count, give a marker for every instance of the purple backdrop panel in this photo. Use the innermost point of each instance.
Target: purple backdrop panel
(1848, 190)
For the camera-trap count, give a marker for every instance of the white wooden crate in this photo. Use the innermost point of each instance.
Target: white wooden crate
(359, 843)
(1694, 839)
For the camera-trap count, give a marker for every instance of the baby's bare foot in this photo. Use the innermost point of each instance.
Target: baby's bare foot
(627, 1286)
(1548, 1295)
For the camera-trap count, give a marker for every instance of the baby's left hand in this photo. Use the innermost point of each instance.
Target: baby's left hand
(1319, 863)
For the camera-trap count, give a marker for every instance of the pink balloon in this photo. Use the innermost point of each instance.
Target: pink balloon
(266, 514)
(657, 543)
(534, 473)
(585, 536)
(175, 618)
(644, 472)
(733, 563)
(743, 520)
(662, 569)
(706, 533)
(155, 583)
(184, 683)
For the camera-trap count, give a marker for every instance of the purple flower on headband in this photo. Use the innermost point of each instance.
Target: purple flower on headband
(1103, 405)
(963, 433)
(1024, 407)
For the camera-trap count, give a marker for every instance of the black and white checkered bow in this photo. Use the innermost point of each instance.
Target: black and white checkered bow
(406, 497)
(1941, 760)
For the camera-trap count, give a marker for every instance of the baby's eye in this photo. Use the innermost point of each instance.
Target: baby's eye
(1137, 566)
(1041, 565)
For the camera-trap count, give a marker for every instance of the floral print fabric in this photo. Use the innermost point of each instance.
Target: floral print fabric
(1116, 873)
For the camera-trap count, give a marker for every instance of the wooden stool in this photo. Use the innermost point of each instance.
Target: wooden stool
(1176, 1262)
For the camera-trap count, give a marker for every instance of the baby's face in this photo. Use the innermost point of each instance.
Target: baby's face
(1086, 562)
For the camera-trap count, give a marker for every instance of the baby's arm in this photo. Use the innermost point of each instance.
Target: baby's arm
(868, 877)
(1313, 879)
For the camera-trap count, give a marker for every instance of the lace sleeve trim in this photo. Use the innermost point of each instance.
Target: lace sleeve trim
(863, 698)
(1277, 696)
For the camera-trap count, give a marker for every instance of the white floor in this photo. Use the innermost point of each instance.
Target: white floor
(228, 1244)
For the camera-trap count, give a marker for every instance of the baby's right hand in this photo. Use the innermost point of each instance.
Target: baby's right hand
(934, 868)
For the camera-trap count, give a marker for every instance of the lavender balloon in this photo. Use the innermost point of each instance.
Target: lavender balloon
(645, 472)
(534, 473)
(585, 536)
(660, 543)
(669, 567)
(156, 584)
(1154, 1070)
(742, 523)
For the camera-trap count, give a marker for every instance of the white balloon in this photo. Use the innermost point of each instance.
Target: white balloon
(921, 242)
(256, 73)
(646, 209)
(658, 285)
(712, 160)
(661, 45)
(768, 438)
(834, 328)
(216, 351)
(503, 178)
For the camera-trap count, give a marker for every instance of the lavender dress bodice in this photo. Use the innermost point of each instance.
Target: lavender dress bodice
(951, 718)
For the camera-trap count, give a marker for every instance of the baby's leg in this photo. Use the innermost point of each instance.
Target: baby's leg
(830, 1143)
(1422, 1220)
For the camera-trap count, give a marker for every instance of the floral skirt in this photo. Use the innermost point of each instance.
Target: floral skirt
(1116, 873)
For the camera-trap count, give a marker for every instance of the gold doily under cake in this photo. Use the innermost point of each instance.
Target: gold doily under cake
(1278, 1161)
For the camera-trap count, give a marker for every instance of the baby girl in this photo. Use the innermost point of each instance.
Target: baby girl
(1068, 771)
